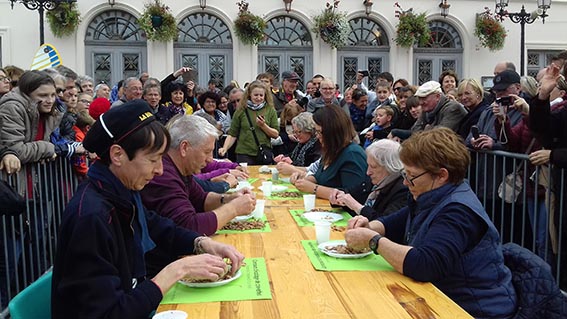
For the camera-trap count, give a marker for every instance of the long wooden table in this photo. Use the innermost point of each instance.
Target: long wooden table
(299, 291)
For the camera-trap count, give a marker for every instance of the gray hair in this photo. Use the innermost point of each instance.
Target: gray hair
(84, 78)
(304, 122)
(55, 75)
(387, 154)
(193, 129)
(130, 80)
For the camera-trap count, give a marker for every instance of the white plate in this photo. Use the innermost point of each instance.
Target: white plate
(211, 284)
(325, 216)
(323, 248)
(275, 188)
(285, 180)
(243, 217)
(237, 188)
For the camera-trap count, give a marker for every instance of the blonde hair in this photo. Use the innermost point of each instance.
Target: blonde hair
(256, 84)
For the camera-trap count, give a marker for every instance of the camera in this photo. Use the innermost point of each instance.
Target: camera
(475, 132)
(364, 73)
(505, 101)
(303, 101)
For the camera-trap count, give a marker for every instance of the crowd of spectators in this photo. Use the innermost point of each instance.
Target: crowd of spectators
(319, 137)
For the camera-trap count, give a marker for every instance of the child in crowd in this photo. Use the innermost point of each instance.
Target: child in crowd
(81, 127)
(383, 98)
(383, 121)
(255, 113)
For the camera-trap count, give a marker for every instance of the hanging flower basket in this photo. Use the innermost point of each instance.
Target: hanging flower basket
(490, 31)
(248, 27)
(412, 28)
(332, 26)
(158, 23)
(64, 20)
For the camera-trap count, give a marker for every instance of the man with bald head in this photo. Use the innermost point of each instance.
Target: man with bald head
(503, 66)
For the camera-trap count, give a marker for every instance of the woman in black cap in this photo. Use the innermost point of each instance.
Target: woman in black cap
(99, 270)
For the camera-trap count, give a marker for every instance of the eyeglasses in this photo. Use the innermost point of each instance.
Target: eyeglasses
(327, 89)
(60, 90)
(411, 179)
(84, 101)
(5, 79)
(297, 132)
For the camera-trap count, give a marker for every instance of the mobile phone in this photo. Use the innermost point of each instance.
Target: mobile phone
(474, 131)
(364, 73)
(505, 101)
(190, 75)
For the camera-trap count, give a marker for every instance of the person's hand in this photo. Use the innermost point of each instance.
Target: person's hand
(496, 110)
(279, 158)
(333, 196)
(285, 168)
(239, 174)
(540, 157)
(394, 138)
(243, 204)
(260, 121)
(359, 238)
(226, 177)
(202, 267)
(224, 251)
(347, 200)
(222, 151)
(482, 142)
(295, 176)
(548, 81)
(520, 104)
(369, 135)
(180, 72)
(80, 149)
(11, 163)
(359, 77)
(305, 185)
(92, 156)
(358, 222)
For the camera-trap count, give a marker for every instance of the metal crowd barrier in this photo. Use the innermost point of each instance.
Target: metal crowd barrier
(28, 241)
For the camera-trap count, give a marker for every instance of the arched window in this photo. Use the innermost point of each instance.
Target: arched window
(367, 49)
(443, 52)
(205, 44)
(288, 47)
(115, 47)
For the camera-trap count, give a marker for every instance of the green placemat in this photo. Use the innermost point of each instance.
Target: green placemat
(302, 221)
(253, 284)
(320, 261)
(266, 229)
(252, 180)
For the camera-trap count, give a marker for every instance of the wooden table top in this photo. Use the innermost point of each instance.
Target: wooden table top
(300, 291)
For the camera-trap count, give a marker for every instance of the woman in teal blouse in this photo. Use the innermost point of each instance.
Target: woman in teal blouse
(343, 163)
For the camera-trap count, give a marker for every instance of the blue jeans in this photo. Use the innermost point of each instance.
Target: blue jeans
(538, 220)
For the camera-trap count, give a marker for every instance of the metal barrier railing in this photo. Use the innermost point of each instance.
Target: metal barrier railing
(28, 241)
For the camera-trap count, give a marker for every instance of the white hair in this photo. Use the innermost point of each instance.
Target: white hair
(387, 154)
(193, 129)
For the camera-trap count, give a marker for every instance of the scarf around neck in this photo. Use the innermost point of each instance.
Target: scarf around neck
(255, 107)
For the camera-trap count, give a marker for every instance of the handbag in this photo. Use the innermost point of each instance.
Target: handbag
(11, 203)
(511, 187)
(265, 155)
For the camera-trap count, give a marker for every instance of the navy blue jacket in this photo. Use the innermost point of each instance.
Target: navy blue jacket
(99, 269)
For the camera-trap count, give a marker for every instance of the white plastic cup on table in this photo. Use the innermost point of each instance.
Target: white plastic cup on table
(243, 184)
(309, 202)
(243, 164)
(275, 175)
(322, 231)
(171, 314)
(258, 212)
(267, 188)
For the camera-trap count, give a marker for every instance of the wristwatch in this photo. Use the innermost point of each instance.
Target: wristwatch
(374, 243)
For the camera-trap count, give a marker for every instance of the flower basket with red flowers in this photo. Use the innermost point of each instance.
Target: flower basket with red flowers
(490, 31)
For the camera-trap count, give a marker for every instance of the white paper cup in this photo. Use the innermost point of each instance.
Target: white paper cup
(267, 188)
(259, 210)
(243, 164)
(322, 231)
(171, 314)
(243, 184)
(309, 202)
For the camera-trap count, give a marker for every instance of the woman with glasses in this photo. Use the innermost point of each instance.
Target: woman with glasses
(444, 235)
(387, 192)
(343, 162)
(308, 148)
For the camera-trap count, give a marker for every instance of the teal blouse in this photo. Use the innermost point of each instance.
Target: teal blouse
(347, 171)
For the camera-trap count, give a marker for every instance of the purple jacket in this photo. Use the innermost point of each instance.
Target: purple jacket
(179, 198)
(216, 168)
